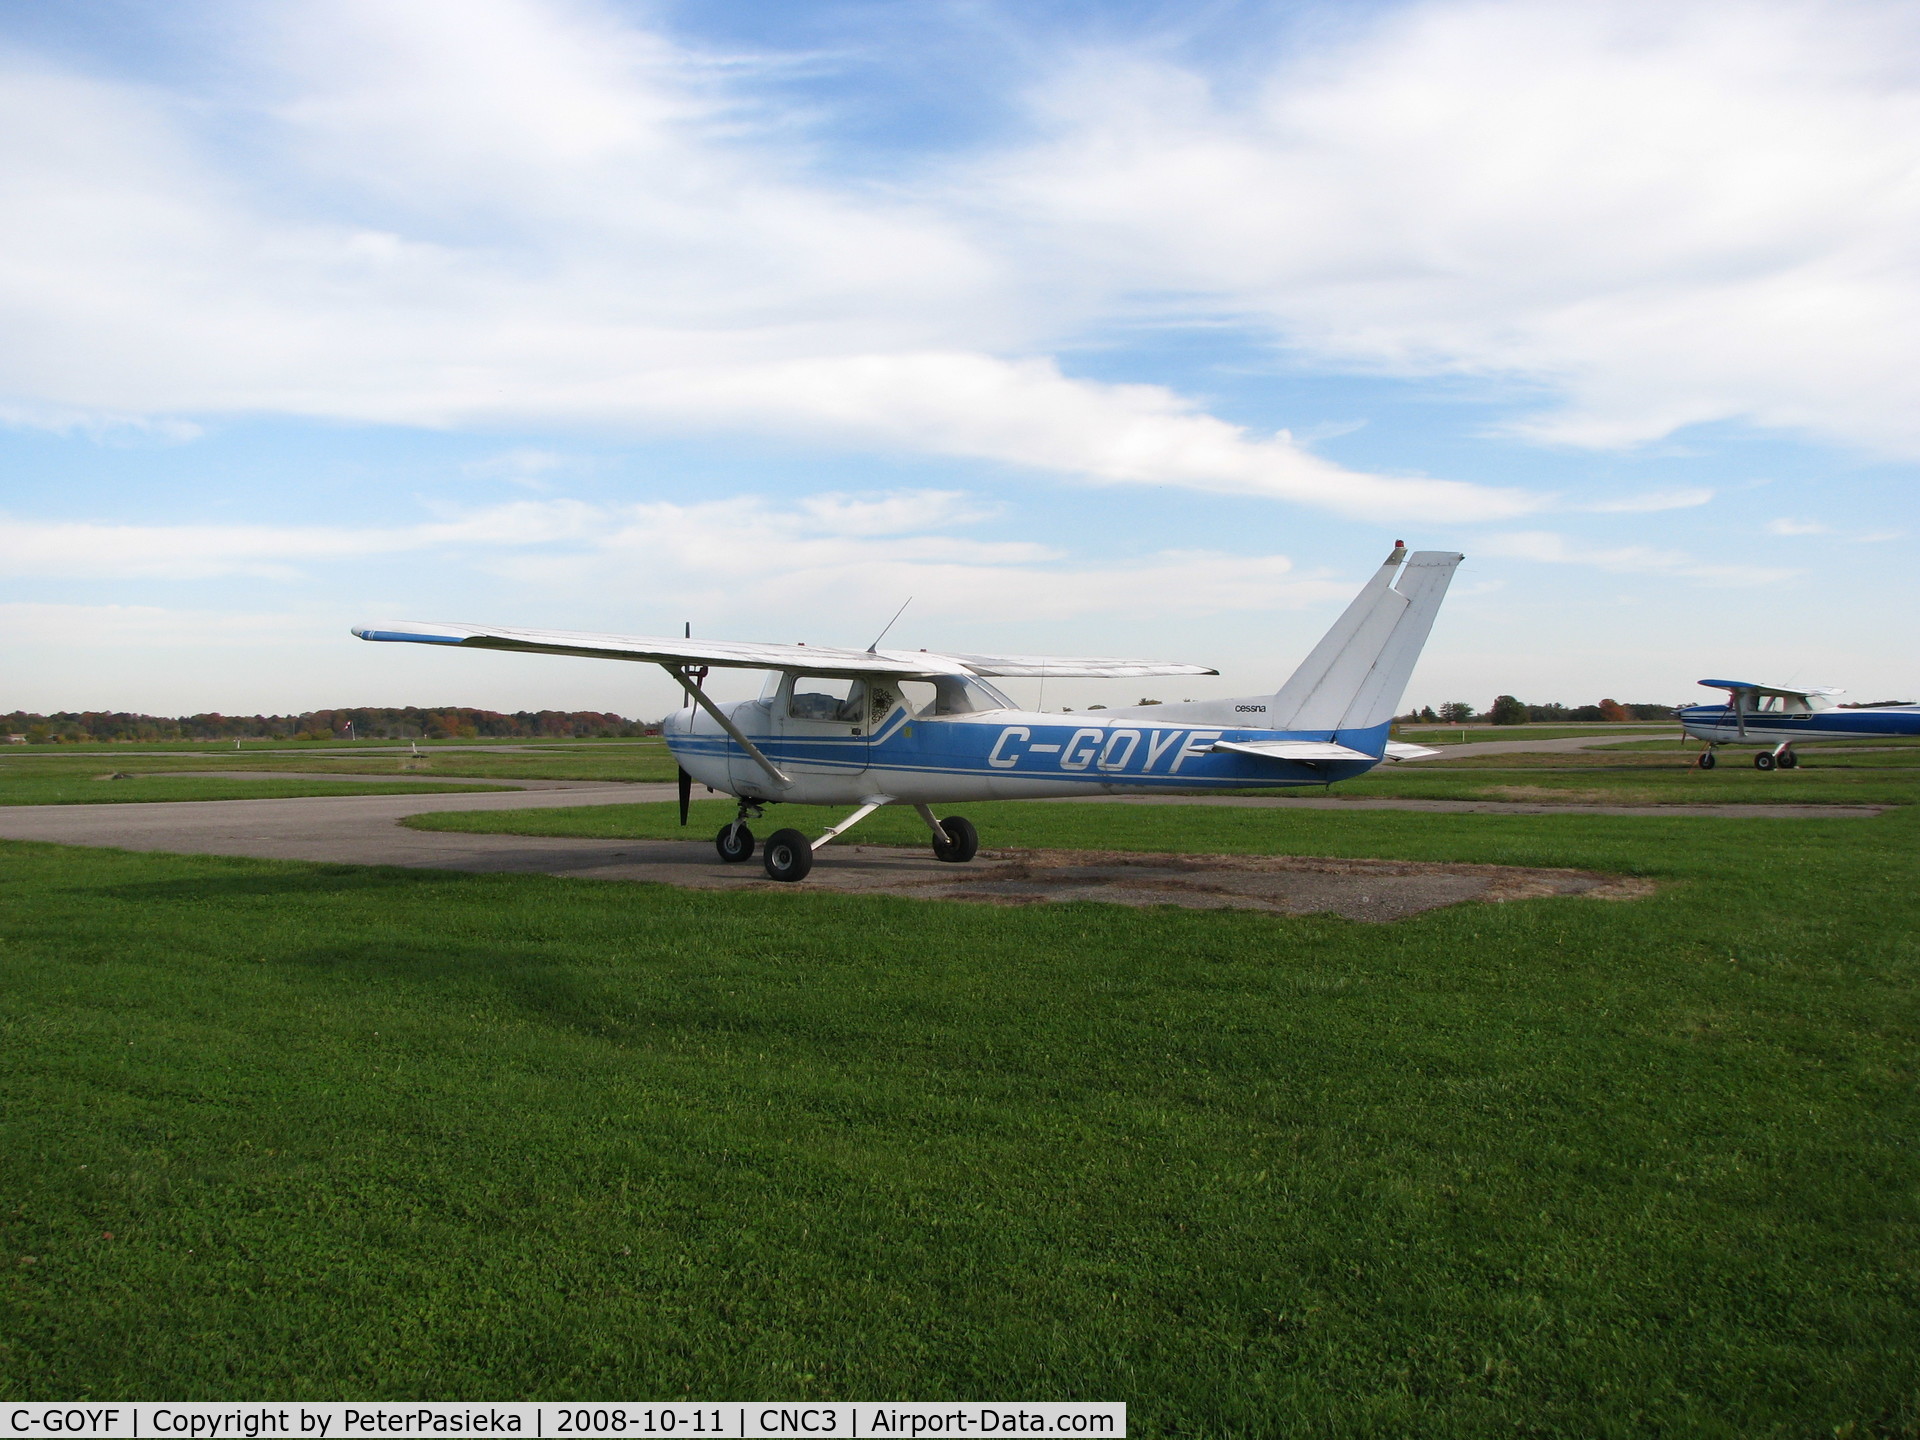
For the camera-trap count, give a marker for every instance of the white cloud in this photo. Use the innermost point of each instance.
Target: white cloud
(1790, 527)
(1663, 214)
(82, 550)
(148, 627)
(1550, 548)
(482, 212)
(505, 211)
(743, 558)
(1652, 501)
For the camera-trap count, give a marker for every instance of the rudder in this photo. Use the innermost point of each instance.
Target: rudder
(1356, 675)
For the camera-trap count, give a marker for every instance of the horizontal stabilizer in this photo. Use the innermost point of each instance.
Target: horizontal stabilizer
(1400, 750)
(1305, 751)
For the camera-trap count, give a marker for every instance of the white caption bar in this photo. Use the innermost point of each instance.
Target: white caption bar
(685, 1420)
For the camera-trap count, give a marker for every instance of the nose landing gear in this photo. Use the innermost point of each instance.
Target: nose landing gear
(735, 840)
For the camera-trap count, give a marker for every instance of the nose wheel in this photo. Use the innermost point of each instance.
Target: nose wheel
(735, 840)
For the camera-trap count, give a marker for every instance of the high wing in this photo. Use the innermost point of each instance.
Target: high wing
(1753, 689)
(749, 655)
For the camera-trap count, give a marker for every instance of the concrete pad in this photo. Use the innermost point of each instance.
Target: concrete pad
(364, 830)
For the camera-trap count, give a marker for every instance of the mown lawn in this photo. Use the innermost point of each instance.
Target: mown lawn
(634, 761)
(97, 787)
(1661, 777)
(1560, 1167)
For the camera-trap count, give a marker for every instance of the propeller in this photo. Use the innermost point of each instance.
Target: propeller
(686, 795)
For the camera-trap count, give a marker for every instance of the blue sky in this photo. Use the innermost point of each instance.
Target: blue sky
(1116, 328)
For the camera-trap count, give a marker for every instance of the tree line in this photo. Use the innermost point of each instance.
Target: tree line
(1506, 710)
(366, 722)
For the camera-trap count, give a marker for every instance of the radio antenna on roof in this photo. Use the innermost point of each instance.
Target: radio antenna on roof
(889, 625)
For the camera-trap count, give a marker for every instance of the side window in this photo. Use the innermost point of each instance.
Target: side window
(823, 697)
(918, 696)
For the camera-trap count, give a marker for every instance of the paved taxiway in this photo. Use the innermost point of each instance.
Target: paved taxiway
(365, 830)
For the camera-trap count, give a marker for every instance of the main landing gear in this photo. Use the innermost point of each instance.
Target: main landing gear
(1781, 757)
(788, 854)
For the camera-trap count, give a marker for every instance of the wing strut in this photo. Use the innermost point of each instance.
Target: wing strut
(679, 672)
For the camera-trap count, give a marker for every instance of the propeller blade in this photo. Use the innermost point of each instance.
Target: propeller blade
(686, 795)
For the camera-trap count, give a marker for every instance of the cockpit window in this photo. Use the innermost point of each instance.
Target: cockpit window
(966, 695)
(831, 698)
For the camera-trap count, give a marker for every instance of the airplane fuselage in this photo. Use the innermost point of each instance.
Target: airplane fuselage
(1720, 725)
(1003, 754)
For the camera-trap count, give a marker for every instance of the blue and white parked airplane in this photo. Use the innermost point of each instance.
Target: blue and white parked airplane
(1775, 717)
(912, 727)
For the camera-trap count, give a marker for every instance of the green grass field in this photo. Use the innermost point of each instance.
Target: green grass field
(631, 761)
(308, 747)
(1478, 733)
(1658, 778)
(98, 788)
(1559, 1167)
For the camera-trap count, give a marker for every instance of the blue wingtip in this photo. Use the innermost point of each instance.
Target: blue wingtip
(368, 633)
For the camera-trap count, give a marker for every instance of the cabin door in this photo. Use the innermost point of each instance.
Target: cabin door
(822, 723)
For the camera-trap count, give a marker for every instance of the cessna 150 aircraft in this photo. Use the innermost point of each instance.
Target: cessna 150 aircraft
(880, 727)
(1774, 716)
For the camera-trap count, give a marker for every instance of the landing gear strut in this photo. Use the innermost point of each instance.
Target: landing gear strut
(735, 840)
(954, 839)
(789, 854)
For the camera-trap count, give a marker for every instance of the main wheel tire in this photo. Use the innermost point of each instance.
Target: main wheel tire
(962, 841)
(1707, 762)
(1789, 761)
(734, 842)
(1764, 760)
(788, 856)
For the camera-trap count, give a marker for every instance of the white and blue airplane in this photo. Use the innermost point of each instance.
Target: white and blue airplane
(877, 727)
(1775, 717)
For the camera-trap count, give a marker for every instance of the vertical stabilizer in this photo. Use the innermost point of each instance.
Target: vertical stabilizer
(1356, 675)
